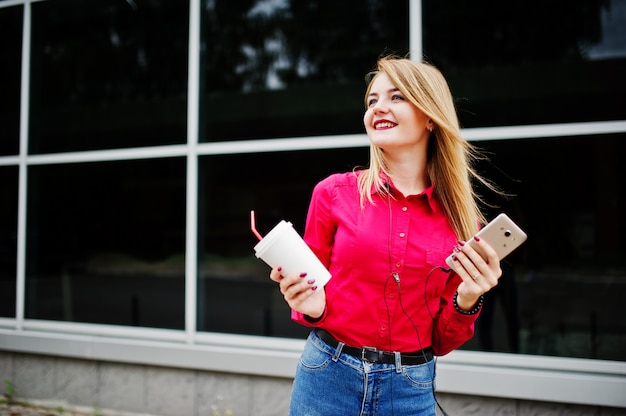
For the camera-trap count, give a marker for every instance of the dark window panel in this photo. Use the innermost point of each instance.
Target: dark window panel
(561, 292)
(271, 71)
(235, 293)
(108, 74)
(10, 78)
(106, 243)
(507, 65)
(8, 239)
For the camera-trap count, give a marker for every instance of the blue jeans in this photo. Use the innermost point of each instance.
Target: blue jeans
(331, 383)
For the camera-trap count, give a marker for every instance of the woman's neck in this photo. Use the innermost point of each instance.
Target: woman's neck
(410, 176)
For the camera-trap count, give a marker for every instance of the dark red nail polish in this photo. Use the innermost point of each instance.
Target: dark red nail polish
(280, 269)
(454, 258)
(311, 281)
(302, 275)
(314, 288)
(477, 238)
(461, 243)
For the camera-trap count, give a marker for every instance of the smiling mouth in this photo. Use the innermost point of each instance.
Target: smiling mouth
(381, 125)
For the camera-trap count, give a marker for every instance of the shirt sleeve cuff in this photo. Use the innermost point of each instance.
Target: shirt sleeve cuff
(306, 320)
(456, 319)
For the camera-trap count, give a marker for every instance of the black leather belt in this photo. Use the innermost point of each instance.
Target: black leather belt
(376, 356)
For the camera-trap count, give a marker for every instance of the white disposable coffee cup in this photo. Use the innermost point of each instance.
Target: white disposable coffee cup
(284, 247)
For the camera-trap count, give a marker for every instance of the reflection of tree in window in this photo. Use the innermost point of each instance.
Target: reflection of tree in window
(254, 45)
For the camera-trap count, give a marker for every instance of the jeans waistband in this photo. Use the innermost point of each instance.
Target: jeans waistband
(376, 356)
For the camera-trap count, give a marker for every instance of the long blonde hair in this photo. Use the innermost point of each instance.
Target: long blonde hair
(450, 157)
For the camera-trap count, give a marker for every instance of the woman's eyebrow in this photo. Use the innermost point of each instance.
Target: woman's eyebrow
(389, 91)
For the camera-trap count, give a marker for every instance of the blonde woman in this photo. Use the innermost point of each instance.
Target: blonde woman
(384, 233)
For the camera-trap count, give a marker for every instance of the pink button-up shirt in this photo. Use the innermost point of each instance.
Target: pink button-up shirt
(384, 265)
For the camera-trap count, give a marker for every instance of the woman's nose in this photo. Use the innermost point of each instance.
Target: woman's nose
(380, 107)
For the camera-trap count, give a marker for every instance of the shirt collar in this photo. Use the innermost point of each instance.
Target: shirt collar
(432, 201)
(428, 193)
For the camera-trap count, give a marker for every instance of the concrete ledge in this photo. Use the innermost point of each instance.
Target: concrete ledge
(554, 379)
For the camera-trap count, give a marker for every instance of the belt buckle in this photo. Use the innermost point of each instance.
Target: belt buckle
(371, 355)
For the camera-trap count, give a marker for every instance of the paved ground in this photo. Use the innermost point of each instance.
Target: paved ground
(46, 409)
(32, 410)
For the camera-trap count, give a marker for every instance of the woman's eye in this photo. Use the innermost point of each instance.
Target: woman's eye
(397, 97)
(371, 102)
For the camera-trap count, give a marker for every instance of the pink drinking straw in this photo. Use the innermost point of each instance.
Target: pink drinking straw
(253, 226)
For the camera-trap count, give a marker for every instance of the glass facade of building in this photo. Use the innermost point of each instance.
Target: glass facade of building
(101, 155)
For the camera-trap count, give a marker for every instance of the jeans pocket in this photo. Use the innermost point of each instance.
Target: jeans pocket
(313, 358)
(420, 376)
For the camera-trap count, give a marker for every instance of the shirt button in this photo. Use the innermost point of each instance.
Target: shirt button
(402, 235)
(392, 295)
(383, 328)
(404, 209)
(398, 264)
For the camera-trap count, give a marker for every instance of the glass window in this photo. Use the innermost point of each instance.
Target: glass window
(108, 74)
(106, 242)
(562, 292)
(10, 78)
(8, 239)
(508, 65)
(291, 68)
(235, 293)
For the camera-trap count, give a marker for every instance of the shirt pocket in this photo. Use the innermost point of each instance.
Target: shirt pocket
(436, 275)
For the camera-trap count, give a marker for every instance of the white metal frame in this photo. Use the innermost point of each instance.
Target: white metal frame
(567, 380)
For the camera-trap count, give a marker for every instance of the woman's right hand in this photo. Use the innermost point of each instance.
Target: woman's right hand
(301, 293)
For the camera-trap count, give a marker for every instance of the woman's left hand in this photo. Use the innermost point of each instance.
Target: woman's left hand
(479, 274)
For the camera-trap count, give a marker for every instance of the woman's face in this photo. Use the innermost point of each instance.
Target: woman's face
(391, 121)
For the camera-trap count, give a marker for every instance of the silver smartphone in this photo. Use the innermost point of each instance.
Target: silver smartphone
(501, 233)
